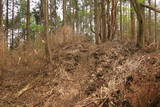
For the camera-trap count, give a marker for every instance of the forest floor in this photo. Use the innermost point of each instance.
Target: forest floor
(85, 75)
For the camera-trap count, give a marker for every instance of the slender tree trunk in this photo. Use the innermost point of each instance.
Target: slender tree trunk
(1, 28)
(74, 19)
(155, 36)
(1, 13)
(91, 18)
(70, 13)
(41, 11)
(46, 31)
(144, 23)
(103, 21)
(121, 21)
(113, 19)
(96, 21)
(149, 23)
(12, 39)
(77, 16)
(64, 12)
(28, 21)
(53, 13)
(7, 20)
(108, 20)
(133, 26)
(83, 18)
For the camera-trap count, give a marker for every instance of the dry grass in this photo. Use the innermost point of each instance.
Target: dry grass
(29, 58)
(83, 74)
(31, 55)
(64, 35)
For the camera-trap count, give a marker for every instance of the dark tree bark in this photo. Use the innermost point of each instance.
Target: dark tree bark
(121, 21)
(108, 20)
(149, 22)
(140, 17)
(133, 26)
(53, 13)
(113, 18)
(12, 39)
(139, 9)
(97, 22)
(46, 31)
(28, 20)
(103, 21)
(155, 29)
(41, 12)
(7, 20)
(77, 16)
(1, 13)
(64, 12)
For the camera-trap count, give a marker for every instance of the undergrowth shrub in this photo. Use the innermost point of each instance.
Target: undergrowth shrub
(31, 54)
(28, 55)
(64, 35)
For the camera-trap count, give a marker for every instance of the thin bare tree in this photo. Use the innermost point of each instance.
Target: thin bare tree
(46, 31)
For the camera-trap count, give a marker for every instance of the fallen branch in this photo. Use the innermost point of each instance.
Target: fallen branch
(150, 7)
(19, 60)
(28, 87)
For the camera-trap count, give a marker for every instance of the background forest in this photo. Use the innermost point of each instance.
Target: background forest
(98, 20)
(79, 53)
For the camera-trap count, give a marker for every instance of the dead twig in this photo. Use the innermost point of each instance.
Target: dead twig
(28, 86)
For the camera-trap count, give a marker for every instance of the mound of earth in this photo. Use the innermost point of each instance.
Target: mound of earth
(87, 75)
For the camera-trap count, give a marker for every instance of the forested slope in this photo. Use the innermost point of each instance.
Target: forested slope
(79, 53)
(83, 75)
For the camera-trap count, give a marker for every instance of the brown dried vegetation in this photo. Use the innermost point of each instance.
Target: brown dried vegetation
(83, 74)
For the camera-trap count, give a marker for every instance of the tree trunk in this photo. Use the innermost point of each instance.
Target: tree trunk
(77, 16)
(12, 39)
(103, 21)
(41, 11)
(96, 21)
(113, 19)
(53, 13)
(149, 22)
(121, 21)
(74, 20)
(1, 13)
(83, 18)
(108, 20)
(28, 20)
(46, 33)
(64, 12)
(7, 20)
(155, 16)
(133, 26)
(140, 17)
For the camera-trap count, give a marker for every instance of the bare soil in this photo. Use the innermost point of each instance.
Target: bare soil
(86, 75)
